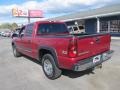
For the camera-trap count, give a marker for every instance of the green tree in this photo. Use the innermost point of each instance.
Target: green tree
(14, 26)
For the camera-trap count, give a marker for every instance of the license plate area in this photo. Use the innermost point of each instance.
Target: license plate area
(96, 59)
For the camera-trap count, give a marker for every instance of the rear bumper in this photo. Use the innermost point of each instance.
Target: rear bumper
(92, 61)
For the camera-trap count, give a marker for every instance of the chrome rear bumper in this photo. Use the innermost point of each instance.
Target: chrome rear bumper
(92, 61)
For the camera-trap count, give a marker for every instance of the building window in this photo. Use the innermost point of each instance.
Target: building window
(115, 26)
(104, 26)
(112, 26)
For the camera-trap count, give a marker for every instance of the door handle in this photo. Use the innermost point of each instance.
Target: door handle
(29, 41)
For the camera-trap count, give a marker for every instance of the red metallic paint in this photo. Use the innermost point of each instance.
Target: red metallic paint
(86, 47)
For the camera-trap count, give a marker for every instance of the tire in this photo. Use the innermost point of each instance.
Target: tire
(49, 67)
(15, 51)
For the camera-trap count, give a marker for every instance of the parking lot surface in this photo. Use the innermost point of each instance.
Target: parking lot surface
(26, 74)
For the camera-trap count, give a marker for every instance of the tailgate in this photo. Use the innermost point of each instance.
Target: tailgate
(92, 45)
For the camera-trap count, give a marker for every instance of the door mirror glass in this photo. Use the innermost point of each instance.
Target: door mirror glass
(14, 35)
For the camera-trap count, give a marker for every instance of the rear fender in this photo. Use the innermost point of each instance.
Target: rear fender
(52, 51)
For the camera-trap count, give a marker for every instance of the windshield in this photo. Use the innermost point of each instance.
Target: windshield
(47, 28)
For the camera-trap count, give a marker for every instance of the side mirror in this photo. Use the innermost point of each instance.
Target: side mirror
(21, 35)
(14, 35)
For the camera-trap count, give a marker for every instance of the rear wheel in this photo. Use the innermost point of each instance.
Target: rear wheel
(49, 67)
(15, 51)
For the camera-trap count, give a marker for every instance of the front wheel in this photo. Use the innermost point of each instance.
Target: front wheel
(49, 67)
(15, 51)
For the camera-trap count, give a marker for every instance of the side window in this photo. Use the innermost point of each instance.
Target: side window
(29, 30)
(22, 31)
(42, 29)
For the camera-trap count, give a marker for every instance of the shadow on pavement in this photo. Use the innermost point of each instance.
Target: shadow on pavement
(73, 74)
(68, 73)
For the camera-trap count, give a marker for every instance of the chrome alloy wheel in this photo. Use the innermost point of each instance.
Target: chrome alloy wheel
(14, 51)
(48, 68)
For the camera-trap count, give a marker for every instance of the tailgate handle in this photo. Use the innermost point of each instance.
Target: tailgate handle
(97, 39)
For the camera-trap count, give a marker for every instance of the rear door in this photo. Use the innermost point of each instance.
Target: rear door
(92, 45)
(28, 39)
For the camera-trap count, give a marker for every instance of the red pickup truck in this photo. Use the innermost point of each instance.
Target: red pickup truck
(51, 43)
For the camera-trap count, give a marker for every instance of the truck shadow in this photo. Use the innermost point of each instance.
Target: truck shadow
(73, 74)
(67, 73)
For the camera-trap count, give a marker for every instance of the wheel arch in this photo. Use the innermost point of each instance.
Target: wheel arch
(45, 50)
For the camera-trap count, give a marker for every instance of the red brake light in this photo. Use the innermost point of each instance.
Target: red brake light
(72, 49)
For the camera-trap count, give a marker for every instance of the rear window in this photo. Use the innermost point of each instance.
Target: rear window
(52, 28)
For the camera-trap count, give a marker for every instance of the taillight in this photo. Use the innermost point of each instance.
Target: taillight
(72, 49)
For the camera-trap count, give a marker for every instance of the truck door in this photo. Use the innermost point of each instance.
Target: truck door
(19, 40)
(27, 39)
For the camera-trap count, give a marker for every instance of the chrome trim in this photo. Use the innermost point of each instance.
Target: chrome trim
(88, 63)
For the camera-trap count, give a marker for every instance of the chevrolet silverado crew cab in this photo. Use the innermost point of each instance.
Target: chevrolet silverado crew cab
(51, 43)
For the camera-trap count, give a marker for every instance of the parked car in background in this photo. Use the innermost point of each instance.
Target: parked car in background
(0, 33)
(5, 33)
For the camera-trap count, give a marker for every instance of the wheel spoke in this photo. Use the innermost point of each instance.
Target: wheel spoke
(48, 67)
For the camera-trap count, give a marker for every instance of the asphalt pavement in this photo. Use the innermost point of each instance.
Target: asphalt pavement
(24, 73)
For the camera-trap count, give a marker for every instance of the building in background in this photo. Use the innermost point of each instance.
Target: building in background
(105, 19)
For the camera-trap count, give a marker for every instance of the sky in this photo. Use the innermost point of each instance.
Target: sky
(51, 8)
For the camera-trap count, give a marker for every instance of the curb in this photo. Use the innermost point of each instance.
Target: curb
(117, 38)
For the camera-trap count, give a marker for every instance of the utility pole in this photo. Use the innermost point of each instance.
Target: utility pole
(28, 19)
(28, 16)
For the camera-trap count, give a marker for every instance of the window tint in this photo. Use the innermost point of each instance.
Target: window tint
(52, 28)
(29, 30)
